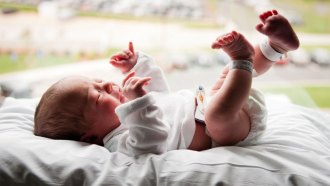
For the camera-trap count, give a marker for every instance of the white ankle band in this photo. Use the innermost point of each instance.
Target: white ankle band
(269, 52)
(242, 64)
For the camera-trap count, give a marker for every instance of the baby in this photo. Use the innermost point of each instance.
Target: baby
(142, 116)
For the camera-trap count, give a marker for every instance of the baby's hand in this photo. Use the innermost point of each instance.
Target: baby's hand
(125, 60)
(133, 86)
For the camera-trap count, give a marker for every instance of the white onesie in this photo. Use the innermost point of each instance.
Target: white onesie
(157, 122)
(161, 121)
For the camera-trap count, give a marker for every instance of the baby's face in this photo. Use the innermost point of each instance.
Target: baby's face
(102, 99)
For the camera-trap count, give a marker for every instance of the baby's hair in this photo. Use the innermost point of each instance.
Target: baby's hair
(59, 114)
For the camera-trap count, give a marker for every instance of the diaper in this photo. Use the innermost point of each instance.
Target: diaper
(256, 109)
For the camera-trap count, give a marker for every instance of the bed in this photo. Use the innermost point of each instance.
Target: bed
(295, 150)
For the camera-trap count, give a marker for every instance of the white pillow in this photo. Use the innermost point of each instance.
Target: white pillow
(294, 151)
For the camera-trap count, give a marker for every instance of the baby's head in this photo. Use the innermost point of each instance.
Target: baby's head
(78, 108)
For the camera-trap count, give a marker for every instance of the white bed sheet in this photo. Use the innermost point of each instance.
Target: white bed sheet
(295, 150)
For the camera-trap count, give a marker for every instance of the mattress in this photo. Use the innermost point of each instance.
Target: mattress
(294, 150)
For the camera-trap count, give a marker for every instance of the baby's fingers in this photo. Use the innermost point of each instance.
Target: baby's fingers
(116, 63)
(130, 47)
(129, 75)
(142, 82)
(122, 56)
(118, 58)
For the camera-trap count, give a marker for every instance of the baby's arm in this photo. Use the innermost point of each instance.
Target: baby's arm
(148, 130)
(143, 66)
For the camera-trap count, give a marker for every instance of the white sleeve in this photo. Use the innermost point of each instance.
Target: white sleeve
(147, 130)
(144, 67)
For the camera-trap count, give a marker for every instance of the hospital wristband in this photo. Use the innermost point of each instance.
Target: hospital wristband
(269, 52)
(241, 64)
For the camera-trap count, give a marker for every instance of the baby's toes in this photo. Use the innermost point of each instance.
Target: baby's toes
(225, 40)
(266, 15)
(229, 38)
(234, 34)
(219, 42)
(274, 12)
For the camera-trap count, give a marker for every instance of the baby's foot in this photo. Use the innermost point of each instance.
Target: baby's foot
(235, 45)
(279, 31)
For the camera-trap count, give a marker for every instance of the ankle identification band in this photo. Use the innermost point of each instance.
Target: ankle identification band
(269, 52)
(241, 64)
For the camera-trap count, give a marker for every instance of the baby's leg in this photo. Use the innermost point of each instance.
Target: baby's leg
(225, 120)
(238, 51)
(281, 37)
(217, 85)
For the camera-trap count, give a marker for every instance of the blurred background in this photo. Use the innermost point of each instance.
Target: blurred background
(43, 41)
